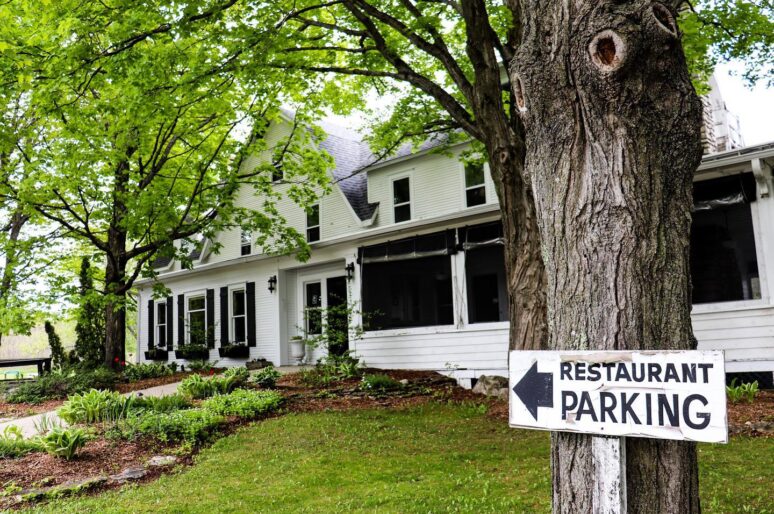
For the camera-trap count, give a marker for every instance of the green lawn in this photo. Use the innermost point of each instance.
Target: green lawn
(437, 458)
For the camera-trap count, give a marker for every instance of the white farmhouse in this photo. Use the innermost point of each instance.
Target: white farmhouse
(416, 241)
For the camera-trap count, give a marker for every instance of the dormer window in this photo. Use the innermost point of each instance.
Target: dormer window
(475, 190)
(246, 240)
(313, 223)
(401, 199)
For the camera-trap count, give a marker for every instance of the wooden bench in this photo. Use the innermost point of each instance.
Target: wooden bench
(43, 363)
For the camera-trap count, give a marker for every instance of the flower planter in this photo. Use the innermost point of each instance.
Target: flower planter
(297, 350)
(156, 354)
(193, 353)
(236, 351)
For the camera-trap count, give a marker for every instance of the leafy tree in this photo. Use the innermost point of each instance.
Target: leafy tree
(90, 320)
(146, 138)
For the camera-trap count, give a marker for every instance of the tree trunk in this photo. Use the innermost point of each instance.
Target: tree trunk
(115, 312)
(15, 225)
(523, 262)
(612, 140)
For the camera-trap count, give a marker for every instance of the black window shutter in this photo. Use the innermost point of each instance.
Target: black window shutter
(170, 317)
(151, 326)
(180, 320)
(210, 321)
(224, 316)
(250, 293)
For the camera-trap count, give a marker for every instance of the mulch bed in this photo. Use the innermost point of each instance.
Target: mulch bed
(104, 457)
(753, 419)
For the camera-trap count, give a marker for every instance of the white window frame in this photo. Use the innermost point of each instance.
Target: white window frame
(248, 236)
(410, 203)
(465, 187)
(232, 318)
(188, 297)
(318, 226)
(161, 328)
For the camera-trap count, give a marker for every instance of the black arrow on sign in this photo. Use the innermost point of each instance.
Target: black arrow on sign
(535, 390)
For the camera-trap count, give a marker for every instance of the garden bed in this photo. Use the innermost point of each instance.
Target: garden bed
(104, 457)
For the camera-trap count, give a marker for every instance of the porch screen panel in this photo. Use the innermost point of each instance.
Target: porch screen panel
(487, 292)
(724, 263)
(407, 283)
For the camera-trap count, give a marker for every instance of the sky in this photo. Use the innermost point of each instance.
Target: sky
(755, 107)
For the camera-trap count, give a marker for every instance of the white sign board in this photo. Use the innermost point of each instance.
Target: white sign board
(661, 394)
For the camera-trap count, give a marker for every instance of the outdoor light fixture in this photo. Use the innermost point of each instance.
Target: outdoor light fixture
(350, 270)
(272, 283)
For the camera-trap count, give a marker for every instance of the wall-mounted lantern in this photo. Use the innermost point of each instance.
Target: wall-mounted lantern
(272, 283)
(350, 268)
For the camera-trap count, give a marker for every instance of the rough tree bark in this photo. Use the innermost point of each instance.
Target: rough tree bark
(115, 270)
(14, 227)
(612, 141)
(502, 133)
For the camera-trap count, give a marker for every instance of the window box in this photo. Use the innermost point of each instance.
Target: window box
(192, 352)
(156, 354)
(234, 351)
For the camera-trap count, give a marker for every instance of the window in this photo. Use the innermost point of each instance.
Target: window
(724, 264)
(313, 224)
(246, 239)
(277, 174)
(161, 324)
(401, 199)
(313, 308)
(475, 190)
(408, 293)
(197, 320)
(238, 316)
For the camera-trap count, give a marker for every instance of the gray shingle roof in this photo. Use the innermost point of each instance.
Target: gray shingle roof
(353, 157)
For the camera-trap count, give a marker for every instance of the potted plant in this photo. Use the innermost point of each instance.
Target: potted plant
(234, 350)
(157, 354)
(297, 349)
(192, 352)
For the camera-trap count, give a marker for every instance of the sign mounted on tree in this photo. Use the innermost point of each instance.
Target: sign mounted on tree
(662, 394)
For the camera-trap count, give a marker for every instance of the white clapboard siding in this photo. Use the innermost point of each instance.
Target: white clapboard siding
(745, 335)
(440, 350)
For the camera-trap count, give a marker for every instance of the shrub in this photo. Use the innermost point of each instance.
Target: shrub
(13, 444)
(51, 386)
(198, 387)
(239, 374)
(95, 406)
(167, 403)
(244, 403)
(58, 357)
(379, 383)
(90, 324)
(135, 372)
(192, 426)
(266, 377)
(58, 385)
(64, 442)
(197, 356)
(332, 369)
(737, 393)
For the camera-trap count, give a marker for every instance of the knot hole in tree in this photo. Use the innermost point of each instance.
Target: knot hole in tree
(608, 51)
(664, 19)
(518, 92)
